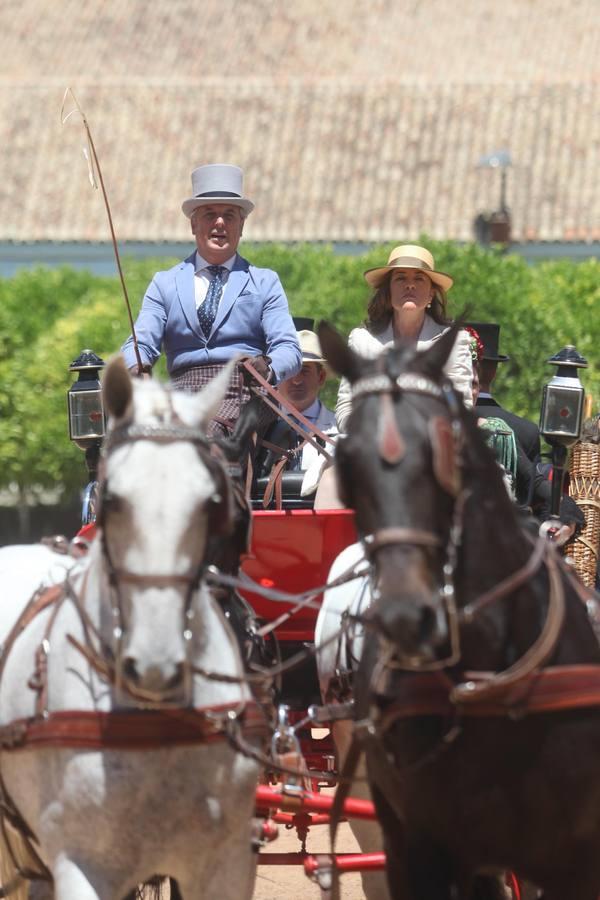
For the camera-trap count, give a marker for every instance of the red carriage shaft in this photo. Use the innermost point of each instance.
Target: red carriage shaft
(347, 862)
(344, 862)
(269, 798)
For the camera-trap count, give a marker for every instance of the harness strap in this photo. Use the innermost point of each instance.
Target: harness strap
(136, 729)
(277, 469)
(41, 599)
(274, 483)
(278, 401)
(554, 689)
(384, 537)
(39, 679)
(347, 774)
(509, 584)
(535, 657)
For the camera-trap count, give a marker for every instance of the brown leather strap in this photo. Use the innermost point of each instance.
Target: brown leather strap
(347, 775)
(274, 482)
(41, 599)
(143, 729)
(509, 584)
(278, 401)
(535, 657)
(553, 689)
(385, 537)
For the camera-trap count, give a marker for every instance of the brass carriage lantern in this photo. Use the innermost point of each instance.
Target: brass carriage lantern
(87, 422)
(562, 413)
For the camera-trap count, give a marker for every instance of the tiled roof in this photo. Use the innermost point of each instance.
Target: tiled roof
(354, 121)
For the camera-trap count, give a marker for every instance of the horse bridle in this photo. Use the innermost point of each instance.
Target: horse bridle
(384, 385)
(543, 553)
(219, 516)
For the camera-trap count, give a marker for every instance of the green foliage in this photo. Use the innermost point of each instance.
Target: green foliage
(47, 316)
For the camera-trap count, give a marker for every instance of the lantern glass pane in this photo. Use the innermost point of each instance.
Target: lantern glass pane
(86, 416)
(562, 411)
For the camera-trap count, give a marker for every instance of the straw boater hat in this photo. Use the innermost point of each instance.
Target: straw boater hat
(310, 347)
(409, 256)
(217, 183)
(308, 340)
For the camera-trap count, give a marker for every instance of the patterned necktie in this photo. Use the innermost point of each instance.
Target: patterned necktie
(208, 308)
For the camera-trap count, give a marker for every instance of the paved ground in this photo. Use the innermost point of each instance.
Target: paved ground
(290, 882)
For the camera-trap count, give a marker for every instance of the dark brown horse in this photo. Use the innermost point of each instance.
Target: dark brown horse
(470, 771)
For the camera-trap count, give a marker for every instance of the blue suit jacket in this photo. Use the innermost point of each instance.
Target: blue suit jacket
(253, 317)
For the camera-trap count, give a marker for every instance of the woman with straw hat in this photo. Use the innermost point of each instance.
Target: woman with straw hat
(409, 305)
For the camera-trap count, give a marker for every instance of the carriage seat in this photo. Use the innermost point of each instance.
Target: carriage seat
(291, 484)
(281, 436)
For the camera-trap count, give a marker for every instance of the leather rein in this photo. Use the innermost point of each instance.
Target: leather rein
(428, 690)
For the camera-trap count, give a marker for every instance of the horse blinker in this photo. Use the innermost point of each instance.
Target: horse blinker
(445, 463)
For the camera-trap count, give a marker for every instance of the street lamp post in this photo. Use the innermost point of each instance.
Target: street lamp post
(495, 227)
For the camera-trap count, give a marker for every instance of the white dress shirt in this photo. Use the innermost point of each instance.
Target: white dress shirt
(202, 277)
(323, 419)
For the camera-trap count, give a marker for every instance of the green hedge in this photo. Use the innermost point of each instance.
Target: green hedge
(48, 316)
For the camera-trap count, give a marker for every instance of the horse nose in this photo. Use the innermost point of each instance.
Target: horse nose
(427, 622)
(416, 628)
(161, 679)
(130, 670)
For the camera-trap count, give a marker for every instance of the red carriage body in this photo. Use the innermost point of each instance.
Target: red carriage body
(292, 551)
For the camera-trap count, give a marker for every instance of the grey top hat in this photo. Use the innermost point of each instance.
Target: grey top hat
(217, 183)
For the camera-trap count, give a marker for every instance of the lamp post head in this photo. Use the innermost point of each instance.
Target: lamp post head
(87, 421)
(562, 399)
(498, 159)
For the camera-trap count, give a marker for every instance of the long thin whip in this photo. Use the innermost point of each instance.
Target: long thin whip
(93, 164)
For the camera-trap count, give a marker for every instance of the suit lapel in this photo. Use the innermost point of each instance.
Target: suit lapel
(237, 281)
(184, 279)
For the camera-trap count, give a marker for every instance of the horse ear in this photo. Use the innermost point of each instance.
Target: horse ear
(338, 354)
(117, 388)
(206, 403)
(432, 361)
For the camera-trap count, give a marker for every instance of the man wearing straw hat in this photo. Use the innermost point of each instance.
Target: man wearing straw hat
(215, 305)
(302, 391)
(303, 388)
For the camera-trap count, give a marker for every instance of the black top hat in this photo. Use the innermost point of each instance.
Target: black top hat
(489, 332)
(303, 323)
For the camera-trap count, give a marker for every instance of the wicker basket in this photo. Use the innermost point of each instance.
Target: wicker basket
(585, 490)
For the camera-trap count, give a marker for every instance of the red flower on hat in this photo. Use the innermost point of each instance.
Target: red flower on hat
(475, 344)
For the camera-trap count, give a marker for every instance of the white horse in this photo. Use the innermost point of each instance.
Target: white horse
(114, 772)
(336, 662)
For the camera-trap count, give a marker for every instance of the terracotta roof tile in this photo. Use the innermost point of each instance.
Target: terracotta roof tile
(353, 121)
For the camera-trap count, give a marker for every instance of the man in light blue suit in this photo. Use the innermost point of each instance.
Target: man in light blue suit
(215, 305)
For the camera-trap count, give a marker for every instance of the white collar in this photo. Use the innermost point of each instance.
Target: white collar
(312, 411)
(201, 263)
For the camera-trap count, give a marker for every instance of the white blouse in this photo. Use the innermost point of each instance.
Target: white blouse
(458, 368)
